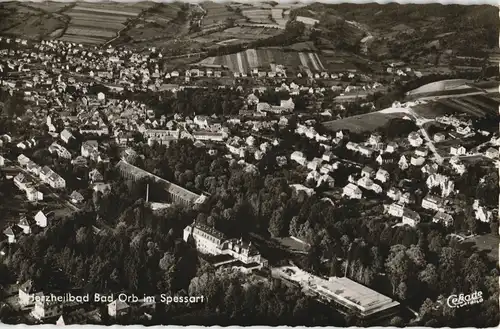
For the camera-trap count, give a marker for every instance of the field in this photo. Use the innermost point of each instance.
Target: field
(476, 105)
(97, 23)
(260, 16)
(279, 16)
(218, 14)
(265, 59)
(488, 243)
(238, 34)
(21, 20)
(49, 6)
(362, 123)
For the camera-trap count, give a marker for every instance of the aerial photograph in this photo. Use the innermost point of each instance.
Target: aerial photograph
(245, 163)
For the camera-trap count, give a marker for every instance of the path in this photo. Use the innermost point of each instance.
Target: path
(420, 121)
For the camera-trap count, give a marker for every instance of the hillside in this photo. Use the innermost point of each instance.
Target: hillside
(357, 27)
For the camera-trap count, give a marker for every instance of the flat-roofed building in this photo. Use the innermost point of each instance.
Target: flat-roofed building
(347, 295)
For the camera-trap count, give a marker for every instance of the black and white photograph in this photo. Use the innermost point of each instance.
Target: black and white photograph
(249, 163)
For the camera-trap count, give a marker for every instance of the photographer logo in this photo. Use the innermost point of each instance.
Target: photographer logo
(461, 300)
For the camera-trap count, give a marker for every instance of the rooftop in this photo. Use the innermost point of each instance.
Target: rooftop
(170, 187)
(343, 290)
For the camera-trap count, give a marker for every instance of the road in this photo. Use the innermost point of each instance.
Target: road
(420, 121)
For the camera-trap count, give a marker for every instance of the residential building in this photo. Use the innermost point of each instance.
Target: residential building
(66, 136)
(410, 217)
(391, 147)
(21, 181)
(417, 161)
(403, 163)
(374, 139)
(95, 176)
(327, 156)
(439, 137)
(2, 161)
(76, 197)
(367, 172)
(33, 194)
(430, 168)
(363, 150)
(314, 164)
(395, 209)
(443, 218)
(352, 191)
(41, 219)
(394, 193)
(88, 147)
(415, 139)
(13, 233)
(406, 198)
(26, 293)
(432, 202)
(205, 135)
(421, 152)
(118, 308)
(457, 150)
(46, 308)
(382, 175)
(56, 181)
(298, 157)
(491, 153)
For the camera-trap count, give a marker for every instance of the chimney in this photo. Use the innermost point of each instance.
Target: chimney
(147, 193)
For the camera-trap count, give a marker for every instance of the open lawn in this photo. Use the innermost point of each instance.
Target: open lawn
(488, 243)
(362, 123)
(293, 245)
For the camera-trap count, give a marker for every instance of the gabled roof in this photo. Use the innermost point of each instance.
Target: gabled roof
(118, 305)
(13, 230)
(76, 195)
(28, 287)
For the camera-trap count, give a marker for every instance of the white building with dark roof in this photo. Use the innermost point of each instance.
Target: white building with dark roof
(211, 241)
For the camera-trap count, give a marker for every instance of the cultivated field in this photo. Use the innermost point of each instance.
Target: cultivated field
(279, 16)
(218, 14)
(362, 123)
(476, 105)
(238, 34)
(49, 6)
(20, 20)
(260, 16)
(97, 23)
(247, 60)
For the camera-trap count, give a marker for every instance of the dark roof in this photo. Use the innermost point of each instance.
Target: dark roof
(13, 230)
(28, 287)
(411, 214)
(172, 188)
(210, 230)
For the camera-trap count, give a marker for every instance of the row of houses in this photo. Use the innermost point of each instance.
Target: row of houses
(25, 226)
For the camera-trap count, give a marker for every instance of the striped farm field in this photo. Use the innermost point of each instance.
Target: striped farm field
(84, 31)
(258, 15)
(113, 8)
(82, 39)
(92, 23)
(96, 18)
(266, 59)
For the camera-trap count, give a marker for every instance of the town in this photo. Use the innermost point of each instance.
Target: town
(352, 203)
